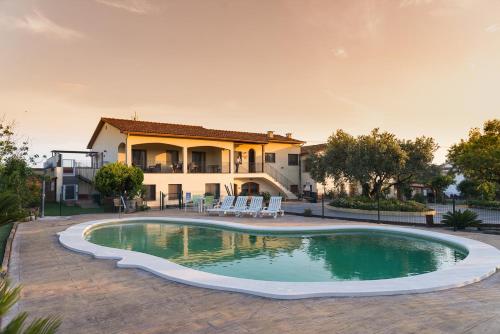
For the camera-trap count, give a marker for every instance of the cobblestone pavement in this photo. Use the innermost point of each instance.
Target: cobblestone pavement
(93, 296)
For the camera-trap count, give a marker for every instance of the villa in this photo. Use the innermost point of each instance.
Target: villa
(179, 159)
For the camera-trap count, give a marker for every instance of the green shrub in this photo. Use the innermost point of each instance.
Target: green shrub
(489, 205)
(459, 220)
(117, 178)
(266, 196)
(365, 203)
(308, 212)
(10, 208)
(419, 198)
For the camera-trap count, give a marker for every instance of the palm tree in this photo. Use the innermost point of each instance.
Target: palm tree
(8, 298)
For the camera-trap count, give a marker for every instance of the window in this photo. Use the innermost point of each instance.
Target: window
(212, 189)
(307, 165)
(174, 190)
(150, 192)
(294, 188)
(293, 160)
(270, 157)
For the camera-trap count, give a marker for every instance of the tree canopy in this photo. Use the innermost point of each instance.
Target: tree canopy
(377, 160)
(478, 157)
(19, 187)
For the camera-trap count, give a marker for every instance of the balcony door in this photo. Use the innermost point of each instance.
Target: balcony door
(251, 160)
(139, 158)
(198, 160)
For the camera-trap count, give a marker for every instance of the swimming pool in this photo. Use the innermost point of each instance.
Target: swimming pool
(332, 256)
(288, 262)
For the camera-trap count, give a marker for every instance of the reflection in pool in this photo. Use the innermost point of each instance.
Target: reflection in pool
(335, 256)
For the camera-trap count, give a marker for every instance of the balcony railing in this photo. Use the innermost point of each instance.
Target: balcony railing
(162, 167)
(248, 168)
(196, 168)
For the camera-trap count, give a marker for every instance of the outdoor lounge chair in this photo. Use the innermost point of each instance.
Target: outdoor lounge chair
(240, 205)
(254, 208)
(226, 204)
(274, 208)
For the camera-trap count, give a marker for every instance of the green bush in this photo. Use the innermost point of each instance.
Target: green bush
(459, 220)
(308, 212)
(117, 178)
(419, 198)
(266, 196)
(489, 205)
(10, 208)
(365, 203)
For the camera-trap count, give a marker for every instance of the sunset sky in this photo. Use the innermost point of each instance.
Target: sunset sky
(412, 67)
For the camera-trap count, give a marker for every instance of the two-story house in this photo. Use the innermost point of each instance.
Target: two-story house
(185, 158)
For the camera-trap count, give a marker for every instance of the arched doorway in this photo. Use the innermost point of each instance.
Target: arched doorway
(122, 153)
(251, 160)
(250, 188)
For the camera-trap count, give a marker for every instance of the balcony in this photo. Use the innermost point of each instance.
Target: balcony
(246, 168)
(164, 158)
(194, 168)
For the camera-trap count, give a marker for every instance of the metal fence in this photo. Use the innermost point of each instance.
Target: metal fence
(321, 208)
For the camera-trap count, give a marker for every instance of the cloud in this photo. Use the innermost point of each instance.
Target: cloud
(493, 28)
(37, 23)
(356, 105)
(408, 3)
(340, 53)
(132, 6)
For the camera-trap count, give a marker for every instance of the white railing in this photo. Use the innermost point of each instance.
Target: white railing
(278, 176)
(87, 173)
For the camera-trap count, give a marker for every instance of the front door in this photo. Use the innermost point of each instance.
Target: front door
(251, 160)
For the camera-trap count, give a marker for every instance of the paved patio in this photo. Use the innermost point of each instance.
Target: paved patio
(93, 296)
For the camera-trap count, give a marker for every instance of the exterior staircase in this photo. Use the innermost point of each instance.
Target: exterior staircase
(273, 176)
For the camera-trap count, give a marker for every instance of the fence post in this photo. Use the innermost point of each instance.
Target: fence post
(42, 214)
(61, 200)
(454, 204)
(323, 206)
(378, 206)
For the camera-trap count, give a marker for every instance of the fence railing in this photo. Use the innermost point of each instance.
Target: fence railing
(488, 217)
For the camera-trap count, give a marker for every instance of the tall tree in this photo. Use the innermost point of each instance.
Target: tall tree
(377, 161)
(478, 157)
(420, 154)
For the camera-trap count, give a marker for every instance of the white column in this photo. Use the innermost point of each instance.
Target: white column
(129, 154)
(184, 160)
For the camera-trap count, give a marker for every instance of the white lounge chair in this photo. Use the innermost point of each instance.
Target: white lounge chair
(274, 208)
(254, 208)
(221, 208)
(240, 205)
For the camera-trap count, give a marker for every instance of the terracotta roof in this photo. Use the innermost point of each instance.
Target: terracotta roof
(310, 149)
(186, 131)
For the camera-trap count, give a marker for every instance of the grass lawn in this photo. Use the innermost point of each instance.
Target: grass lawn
(4, 235)
(52, 209)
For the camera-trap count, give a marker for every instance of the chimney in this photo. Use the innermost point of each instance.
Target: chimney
(289, 135)
(270, 134)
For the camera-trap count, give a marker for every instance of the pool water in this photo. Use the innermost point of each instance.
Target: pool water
(333, 256)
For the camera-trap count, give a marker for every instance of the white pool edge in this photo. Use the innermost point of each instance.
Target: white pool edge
(483, 261)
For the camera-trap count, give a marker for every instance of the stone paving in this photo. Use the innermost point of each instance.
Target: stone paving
(93, 296)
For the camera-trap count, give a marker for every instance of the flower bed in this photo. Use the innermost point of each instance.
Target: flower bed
(363, 203)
